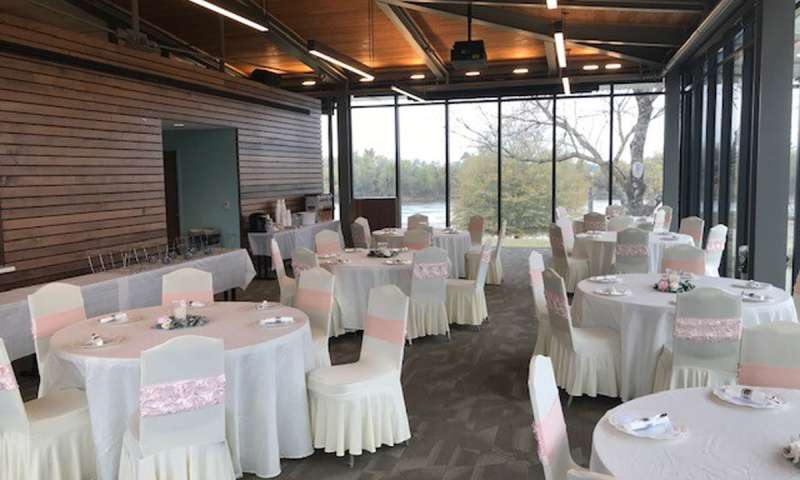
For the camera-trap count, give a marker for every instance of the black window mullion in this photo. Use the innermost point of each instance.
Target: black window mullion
(447, 163)
(710, 157)
(611, 147)
(725, 146)
(499, 164)
(553, 192)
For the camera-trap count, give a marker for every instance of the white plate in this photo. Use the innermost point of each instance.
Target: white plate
(733, 394)
(606, 279)
(751, 286)
(608, 292)
(267, 305)
(664, 431)
(107, 342)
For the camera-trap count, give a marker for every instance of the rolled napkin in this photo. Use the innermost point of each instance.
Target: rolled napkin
(115, 317)
(275, 320)
(649, 422)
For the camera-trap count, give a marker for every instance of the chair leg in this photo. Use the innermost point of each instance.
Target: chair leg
(351, 460)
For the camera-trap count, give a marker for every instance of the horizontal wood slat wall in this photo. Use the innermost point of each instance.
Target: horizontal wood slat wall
(81, 165)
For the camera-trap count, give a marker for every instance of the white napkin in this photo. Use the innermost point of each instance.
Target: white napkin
(275, 320)
(115, 317)
(648, 422)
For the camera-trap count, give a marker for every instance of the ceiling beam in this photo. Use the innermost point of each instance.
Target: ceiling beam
(676, 6)
(552, 59)
(416, 38)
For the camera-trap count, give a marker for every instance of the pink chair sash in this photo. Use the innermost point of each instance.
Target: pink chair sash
(708, 330)
(551, 433)
(768, 376)
(715, 246)
(308, 299)
(697, 267)
(631, 250)
(429, 271)
(205, 296)
(46, 325)
(556, 305)
(486, 256)
(536, 277)
(182, 396)
(328, 248)
(392, 331)
(7, 379)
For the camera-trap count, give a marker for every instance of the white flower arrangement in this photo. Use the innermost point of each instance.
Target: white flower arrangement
(792, 451)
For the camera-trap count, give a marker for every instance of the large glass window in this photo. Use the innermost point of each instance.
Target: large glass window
(793, 265)
(373, 152)
(422, 163)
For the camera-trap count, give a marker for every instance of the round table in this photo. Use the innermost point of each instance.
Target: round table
(601, 247)
(265, 367)
(645, 318)
(724, 441)
(455, 243)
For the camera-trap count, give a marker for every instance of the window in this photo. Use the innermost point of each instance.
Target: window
(422, 163)
(324, 125)
(373, 152)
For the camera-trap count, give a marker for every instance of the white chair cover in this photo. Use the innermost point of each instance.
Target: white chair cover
(684, 258)
(189, 284)
(561, 212)
(572, 269)
(287, 284)
(472, 259)
(427, 311)
(303, 259)
(770, 356)
(181, 423)
(567, 233)
(619, 223)
(327, 242)
(52, 307)
(417, 238)
(315, 298)
(466, 300)
(367, 232)
(359, 235)
(360, 406)
(705, 341)
(663, 219)
(594, 221)
(586, 359)
(615, 211)
(46, 439)
(583, 475)
(417, 220)
(715, 247)
(475, 228)
(693, 226)
(632, 251)
(535, 270)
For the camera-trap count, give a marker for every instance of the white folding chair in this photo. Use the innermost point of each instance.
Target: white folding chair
(715, 247)
(360, 406)
(473, 259)
(44, 439)
(535, 269)
(693, 226)
(770, 356)
(417, 238)
(303, 259)
(619, 223)
(315, 298)
(572, 269)
(594, 221)
(180, 430)
(367, 232)
(187, 284)
(705, 341)
(586, 359)
(417, 220)
(475, 228)
(684, 258)
(287, 284)
(466, 299)
(632, 251)
(427, 313)
(328, 242)
(615, 211)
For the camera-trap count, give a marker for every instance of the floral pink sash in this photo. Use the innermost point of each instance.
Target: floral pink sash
(708, 330)
(715, 246)
(182, 396)
(429, 271)
(392, 331)
(7, 379)
(631, 250)
(486, 256)
(551, 433)
(46, 325)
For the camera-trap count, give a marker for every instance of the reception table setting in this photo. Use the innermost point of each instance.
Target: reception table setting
(599, 247)
(455, 242)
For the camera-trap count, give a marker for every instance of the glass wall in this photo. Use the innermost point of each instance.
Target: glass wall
(329, 143)
(374, 152)
(793, 240)
(422, 162)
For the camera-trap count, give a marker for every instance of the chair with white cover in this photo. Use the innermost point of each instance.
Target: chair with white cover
(359, 234)
(663, 219)
(466, 300)
(561, 212)
(315, 298)
(417, 239)
(549, 427)
(619, 223)
(427, 313)
(367, 232)
(49, 438)
(715, 246)
(684, 258)
(52, 307)
(571, 268)
(693, 226)
(417, 220)
(586, 359)
(535, 269)
(594, 222)
(327, 242)
(287, 284)
(567, 233)
(632, 251)
(187, 284)
(472, 259)
(475, 228)
(705, 341)
(770, 356)
(615, 211)
(583, 475)
(303, 259)
(360, 406)
(179, 432)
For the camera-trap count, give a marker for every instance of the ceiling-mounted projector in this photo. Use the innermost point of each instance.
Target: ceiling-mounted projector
(468, 54)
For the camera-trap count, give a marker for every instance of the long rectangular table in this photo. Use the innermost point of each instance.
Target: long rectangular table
(120, 289)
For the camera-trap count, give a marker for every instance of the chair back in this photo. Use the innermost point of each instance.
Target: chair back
(557, 247)
(561, 212)
(52, 307)
(555, 294)
(619, 223)
(594, 221)
(417, 220)
(189, 284)
(284, 282)
(315, 298)
(684, 258)
(429, 276)
(182, 394)
(548, 419)
(660, 221)
(707, 330)
(385, 327)
(567, 233)
(327, 242)
(417, 239)
(632, 251)
(12, 410)
(303, 259)
(715, 247)
(475, 228)
(536, 269)
(770, 356)
(615, 211)
(483, 266)
(693, 226)
(367, 232)
(359, 235)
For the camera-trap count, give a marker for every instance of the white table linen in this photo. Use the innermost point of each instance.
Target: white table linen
(120, 289)
(600, 249)
(645, 319)
(724, 441)
(266, 403)
(290, 238)
(456, 244)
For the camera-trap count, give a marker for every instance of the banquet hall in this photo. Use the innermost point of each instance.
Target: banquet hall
(399, 239)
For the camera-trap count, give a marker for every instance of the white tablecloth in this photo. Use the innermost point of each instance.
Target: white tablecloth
(290, 239)
(725, 442)
(645, 319)
(600, 249)
(355, 278)
(265, 394)
(455, 244)
(119, 289)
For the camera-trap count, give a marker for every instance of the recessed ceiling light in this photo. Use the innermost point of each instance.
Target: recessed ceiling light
(309, 83)
(520, 71)
(178, 125)
(613, 66)
(417, 76)
(591, 67)
(366, 79)
(472, 73)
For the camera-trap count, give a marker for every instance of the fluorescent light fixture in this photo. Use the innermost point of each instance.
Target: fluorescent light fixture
(561, 49)
(567, 89)
(418, 76)
(520, 71)
(407, 94)
(472, 73)
(591, 67)
(366, 79)
(229, 14)
(178, 125)
(317, 52)
(309, 83)
(552, 4)
(613, 66)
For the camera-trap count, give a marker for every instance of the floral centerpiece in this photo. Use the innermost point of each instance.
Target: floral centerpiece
(180, 318)
(792, 451)
(674, 283)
